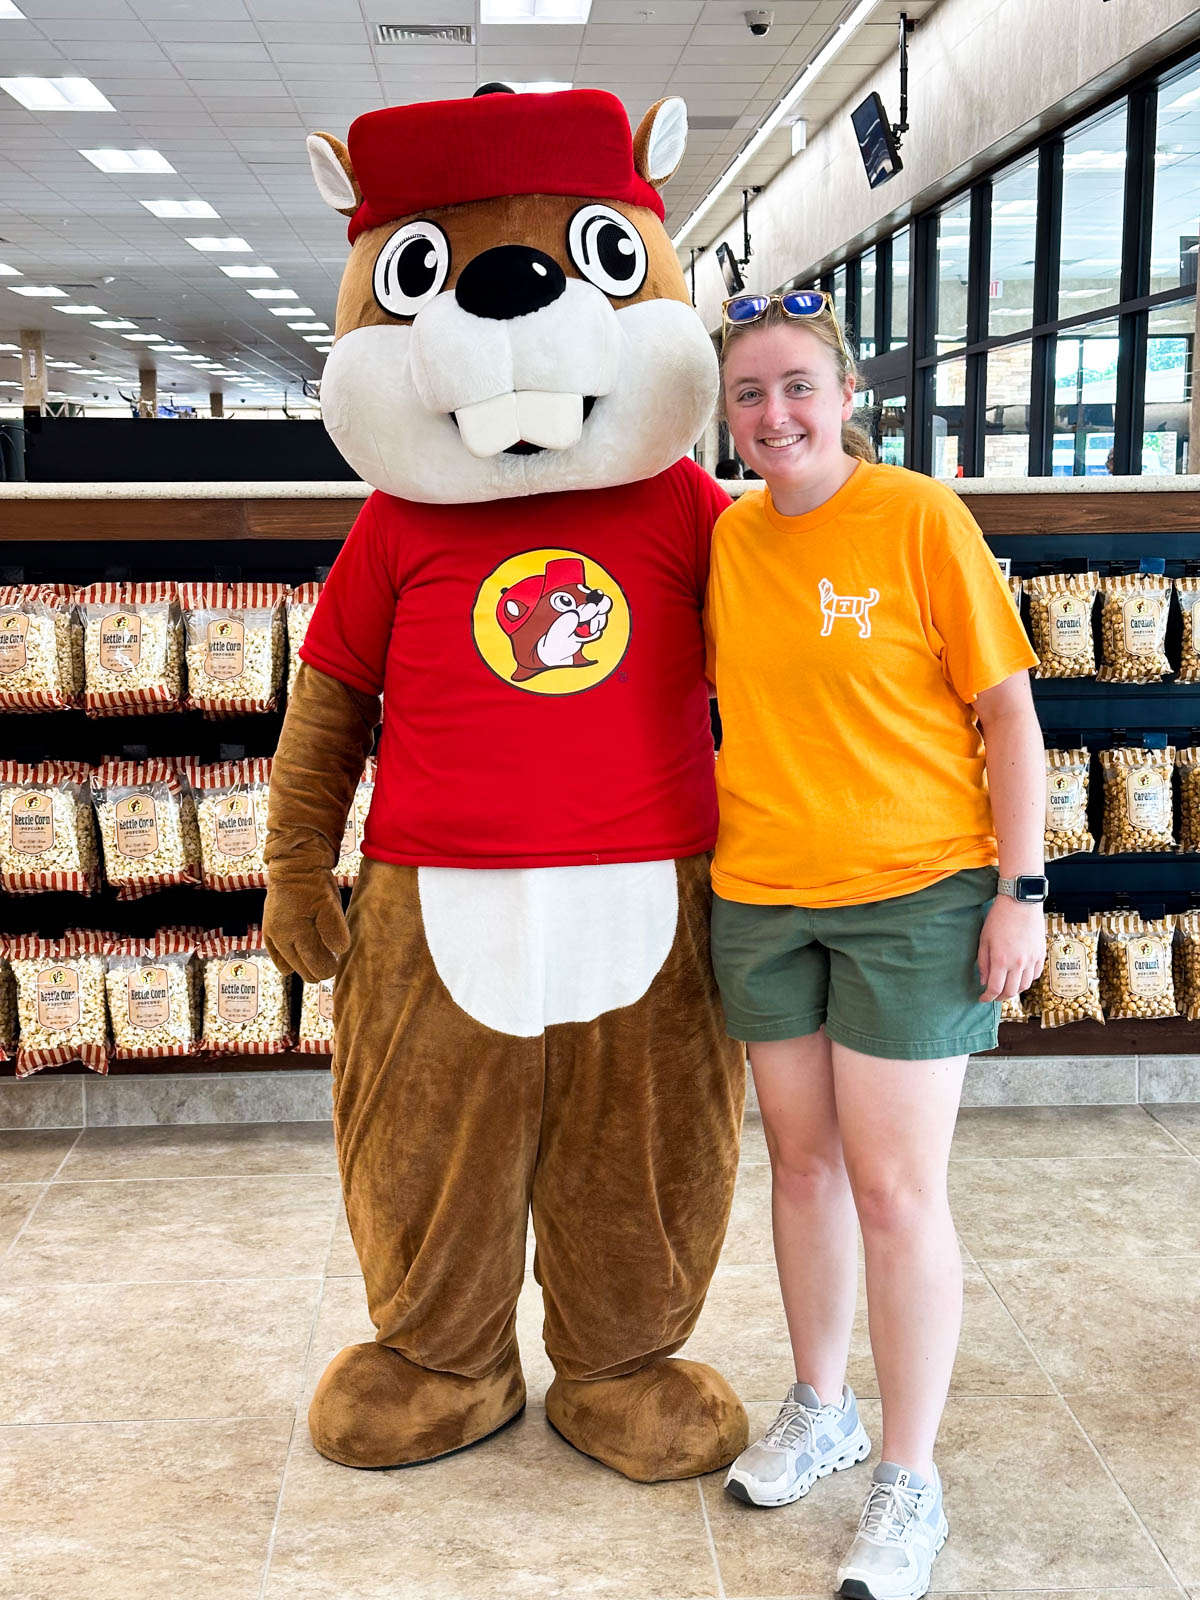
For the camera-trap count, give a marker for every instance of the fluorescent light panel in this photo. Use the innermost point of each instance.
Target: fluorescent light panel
(37, 290)
(833, 46)
(9, 272)
(144, 338)
(114, 322)
(545, 86)
(229, 244)
(81, 311)
(551, 12)
(168, 209)
(308, 327)
(56, 94)
(275, 294)
(249, 272)
(8, 9)
(292, 311)
(128, 160)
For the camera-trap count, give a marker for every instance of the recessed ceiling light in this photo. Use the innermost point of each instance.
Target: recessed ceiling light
(548, 11)
(180, 208)
(56, 94)
(308, 327)
(208, 365)
(114, 322)
(546, 86)
(9, 272)
(8, 9)
(174, 350)
(35, 289)
(229, 243)
(80, 311)
(10, 346)
(128, 160)
(274, 294)
(72, 365)
(249, 272)
(315, 338)
(291, 311)
(144, 338)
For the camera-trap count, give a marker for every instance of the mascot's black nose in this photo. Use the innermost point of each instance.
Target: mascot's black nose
(593, 597)
(510, 281)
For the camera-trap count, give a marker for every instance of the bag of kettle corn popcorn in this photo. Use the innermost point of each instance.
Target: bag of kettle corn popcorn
(231, 812)
(146, 841)
(247, 1000)
(61, 1010)
(345, 873)
(39, 650)
(235, 646)
(153, 994)
(47, 841)
(133, 648)
(301, 603)
(316, 1019)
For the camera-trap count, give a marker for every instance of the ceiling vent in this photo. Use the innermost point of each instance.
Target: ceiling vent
(424, 33)
(712, 124)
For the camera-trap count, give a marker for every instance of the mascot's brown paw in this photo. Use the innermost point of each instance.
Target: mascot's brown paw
(672, 1419)
(374, 1408)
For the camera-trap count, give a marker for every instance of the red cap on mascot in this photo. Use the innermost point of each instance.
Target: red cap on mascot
(449, 152)
(562, 570)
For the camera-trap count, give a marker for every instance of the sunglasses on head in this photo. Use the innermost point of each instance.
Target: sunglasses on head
(741, 309)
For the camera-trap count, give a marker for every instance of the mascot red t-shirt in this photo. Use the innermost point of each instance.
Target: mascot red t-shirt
(563, 625)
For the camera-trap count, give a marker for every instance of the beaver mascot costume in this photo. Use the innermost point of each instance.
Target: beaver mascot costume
(526, 1020)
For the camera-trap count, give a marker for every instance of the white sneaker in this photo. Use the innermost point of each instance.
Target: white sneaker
(900, 1532)
(806, 1441)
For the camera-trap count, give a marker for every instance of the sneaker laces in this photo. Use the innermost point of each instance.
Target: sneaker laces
(888, 1511)
(793, 1422)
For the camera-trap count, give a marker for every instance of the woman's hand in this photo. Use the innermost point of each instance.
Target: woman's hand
(1012, 947)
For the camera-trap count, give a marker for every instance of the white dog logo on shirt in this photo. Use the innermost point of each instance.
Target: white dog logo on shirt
(855, 606)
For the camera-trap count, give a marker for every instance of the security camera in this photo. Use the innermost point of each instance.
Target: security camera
(759, 22)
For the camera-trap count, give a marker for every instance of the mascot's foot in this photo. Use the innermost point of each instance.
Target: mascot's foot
(374, 1408)
(672, 1419)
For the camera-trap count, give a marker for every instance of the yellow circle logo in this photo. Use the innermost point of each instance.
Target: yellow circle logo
(551, 622)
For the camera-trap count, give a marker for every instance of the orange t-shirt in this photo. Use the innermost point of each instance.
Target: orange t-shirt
(845, 646)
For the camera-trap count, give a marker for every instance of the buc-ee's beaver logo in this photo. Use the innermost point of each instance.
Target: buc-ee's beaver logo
(551, 622)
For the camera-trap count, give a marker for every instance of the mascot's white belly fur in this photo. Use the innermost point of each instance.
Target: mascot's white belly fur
(519, 949)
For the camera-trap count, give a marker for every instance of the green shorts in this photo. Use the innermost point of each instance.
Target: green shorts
(894, 978)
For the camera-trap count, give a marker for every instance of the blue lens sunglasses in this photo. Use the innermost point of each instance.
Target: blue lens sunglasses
(798, 303)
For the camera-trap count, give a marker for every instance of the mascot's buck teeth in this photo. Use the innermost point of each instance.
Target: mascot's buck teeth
(534, 416)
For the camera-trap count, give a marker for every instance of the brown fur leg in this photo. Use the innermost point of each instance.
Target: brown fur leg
(630, 1202)
(437, 1190)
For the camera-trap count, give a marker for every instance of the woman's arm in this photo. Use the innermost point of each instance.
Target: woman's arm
(1012, 948)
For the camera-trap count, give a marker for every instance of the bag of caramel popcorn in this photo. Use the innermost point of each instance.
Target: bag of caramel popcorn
(1060, 621)
(61, 1009)
(39, 651)
(235, 646)
(147, 841)
(1138, 814)
(1186, 964)
(47, 841)
(1067, 831)
(231, 811)
(316, 1019)
(153, 994)
(1188, 592)
(345, 873)
(247, 1000)
(1133, 626)
(1187, 764)
(8, 1006)
(1136, 971)
(1013, 1010)
(1070, 981)
(132, 648)
(301, 603)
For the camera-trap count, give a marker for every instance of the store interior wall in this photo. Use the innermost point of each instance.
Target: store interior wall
(985, 78)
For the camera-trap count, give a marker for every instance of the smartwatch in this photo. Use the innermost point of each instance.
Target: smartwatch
(1028, 889)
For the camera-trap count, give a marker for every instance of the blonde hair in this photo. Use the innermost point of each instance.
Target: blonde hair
(856, 441)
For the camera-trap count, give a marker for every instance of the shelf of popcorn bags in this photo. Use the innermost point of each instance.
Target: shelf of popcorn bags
(138, 769)
(69, 538)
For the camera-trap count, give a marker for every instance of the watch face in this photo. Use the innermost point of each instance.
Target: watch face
(1032, 888)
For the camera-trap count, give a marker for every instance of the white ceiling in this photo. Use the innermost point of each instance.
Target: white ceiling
(227, 91)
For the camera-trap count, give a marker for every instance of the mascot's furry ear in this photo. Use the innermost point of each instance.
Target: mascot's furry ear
(660, 141)
(333, 174)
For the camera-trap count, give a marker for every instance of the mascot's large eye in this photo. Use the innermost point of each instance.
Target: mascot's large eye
(411, 268)
(608, 250)
(562, 601)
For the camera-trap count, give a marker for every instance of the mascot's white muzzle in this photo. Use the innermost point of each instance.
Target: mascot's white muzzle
(524, 379)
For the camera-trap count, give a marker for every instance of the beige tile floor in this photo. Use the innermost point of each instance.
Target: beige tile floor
(169, 1296)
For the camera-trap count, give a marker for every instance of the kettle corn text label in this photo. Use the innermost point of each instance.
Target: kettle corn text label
(137, 826)
(31, 830)
(325, 999)
(149, 998)
(236, 833)
(225, 650)
(13, 631)
(120, 641)
(58, 998)
(237, 991)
